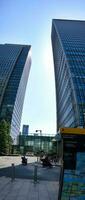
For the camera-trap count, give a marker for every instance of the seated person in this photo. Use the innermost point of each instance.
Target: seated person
(24, 160)
(46, 162)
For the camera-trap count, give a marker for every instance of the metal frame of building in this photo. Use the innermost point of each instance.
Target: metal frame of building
(36, 142)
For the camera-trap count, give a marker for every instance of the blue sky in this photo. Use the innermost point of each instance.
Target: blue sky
(29, 22)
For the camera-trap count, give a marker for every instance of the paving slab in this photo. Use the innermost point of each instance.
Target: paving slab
(6, 161)
(27, 172)
(22, 189)
(23, 186)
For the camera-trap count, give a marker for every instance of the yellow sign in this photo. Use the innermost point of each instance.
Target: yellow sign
(72, 131)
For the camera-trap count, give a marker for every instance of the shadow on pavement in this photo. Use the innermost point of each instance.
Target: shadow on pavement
(27, 172)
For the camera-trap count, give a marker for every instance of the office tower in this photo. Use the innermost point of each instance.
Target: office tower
(68, 42)
(15, 62)
(25, 130)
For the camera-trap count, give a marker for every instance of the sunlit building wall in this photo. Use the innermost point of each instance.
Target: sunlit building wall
(68, 43)
(15, 62)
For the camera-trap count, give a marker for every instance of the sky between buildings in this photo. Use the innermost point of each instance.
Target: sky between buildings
(29, 22)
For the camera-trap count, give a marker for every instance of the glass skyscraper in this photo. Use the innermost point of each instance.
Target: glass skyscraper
(68, 43)
(15, 62)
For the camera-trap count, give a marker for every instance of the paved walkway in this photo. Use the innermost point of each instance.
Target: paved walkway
(6, 161)
(23, 187)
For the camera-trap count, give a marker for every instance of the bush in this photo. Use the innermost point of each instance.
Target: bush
(5, 138)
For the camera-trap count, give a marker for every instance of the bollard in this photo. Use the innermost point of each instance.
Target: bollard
(35, 173)
(12, 172)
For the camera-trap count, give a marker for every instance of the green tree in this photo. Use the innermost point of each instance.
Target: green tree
(5, 138)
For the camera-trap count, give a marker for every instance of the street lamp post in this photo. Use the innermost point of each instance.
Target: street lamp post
(38, 130)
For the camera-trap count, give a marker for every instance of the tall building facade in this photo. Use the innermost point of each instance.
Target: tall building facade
(68, 43)
(25, 130)
(15, 62)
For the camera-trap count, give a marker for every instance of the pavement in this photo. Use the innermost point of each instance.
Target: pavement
(23, 186)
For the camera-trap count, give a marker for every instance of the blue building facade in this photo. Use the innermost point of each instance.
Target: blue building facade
(25, 130)
(15, 62)
(68, 43)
